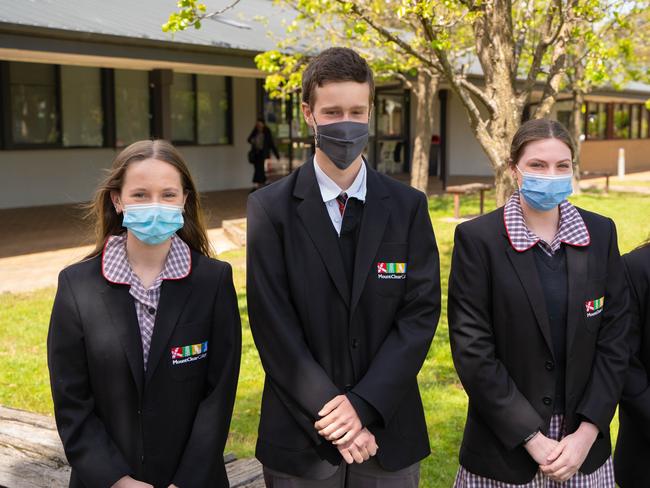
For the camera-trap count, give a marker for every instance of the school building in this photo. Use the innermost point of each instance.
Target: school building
(81, 79)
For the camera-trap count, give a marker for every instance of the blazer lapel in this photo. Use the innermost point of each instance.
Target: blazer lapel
(524, 264)
(314, 216)
(577, 278)
(173, 295)
(373, 225)
(120, 307)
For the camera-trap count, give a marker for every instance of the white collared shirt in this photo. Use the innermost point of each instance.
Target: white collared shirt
(329, 190)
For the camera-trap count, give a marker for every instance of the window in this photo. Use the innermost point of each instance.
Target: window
(81, 107)
(213, 107)
(596, 121)
(132, 107)
(183, 105)
(33, 102)
(621, 121)
(390, 115)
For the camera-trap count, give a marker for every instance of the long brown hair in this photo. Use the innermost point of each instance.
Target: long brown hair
(108, 222)
(537, 130)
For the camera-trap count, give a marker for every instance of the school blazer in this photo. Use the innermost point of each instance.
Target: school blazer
(501, 344)
(633, 443)
(168, 424)
(308, 322)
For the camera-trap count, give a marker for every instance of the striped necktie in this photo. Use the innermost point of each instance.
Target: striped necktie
(342, 200)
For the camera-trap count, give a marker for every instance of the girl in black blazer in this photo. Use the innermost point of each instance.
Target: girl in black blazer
(144, 340)
(633, 444)
(537, 321)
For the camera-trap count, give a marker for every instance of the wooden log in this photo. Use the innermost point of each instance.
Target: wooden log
(31, 455)
(243, 472)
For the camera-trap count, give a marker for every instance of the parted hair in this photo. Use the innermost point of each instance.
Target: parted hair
(335, 64)
(107, 222)
(537, 130)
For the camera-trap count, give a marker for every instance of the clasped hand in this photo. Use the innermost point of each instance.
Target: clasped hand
(340, 424)
(561, 460)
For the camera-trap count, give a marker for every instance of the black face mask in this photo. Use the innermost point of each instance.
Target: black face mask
(342, 142)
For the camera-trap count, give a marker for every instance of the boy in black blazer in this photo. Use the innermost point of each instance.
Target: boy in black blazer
(343, 298)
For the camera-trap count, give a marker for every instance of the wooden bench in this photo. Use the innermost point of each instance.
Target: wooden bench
(599, 174)
(31, 455)
(468, 189)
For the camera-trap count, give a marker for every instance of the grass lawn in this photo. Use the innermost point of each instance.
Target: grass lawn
(24, 318)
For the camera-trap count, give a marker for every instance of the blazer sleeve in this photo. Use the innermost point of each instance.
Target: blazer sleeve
(610, 364)
(88, 446)
(636, 391)
(492, 392)
(300, 382)
(204, 449)
(394, 368)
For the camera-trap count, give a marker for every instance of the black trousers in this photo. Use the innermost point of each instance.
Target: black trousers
(365, 475)
(259, 176)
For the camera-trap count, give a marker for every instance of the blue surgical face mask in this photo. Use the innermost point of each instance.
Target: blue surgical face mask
(545, 192)
(153, 223)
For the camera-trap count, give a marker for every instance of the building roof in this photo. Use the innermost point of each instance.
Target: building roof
(252, 26)
(244, 27)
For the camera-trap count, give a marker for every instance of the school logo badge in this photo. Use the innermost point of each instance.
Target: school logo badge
(188, 354)
(594, 307)
(391, 271)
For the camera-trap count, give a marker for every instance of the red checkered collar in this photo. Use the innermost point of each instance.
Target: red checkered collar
(572, 229)
(117, 269)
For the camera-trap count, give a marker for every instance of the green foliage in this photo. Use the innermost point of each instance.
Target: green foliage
(190, 13)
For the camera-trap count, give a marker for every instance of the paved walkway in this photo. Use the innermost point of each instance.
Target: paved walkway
(632, 183)
(41, 269)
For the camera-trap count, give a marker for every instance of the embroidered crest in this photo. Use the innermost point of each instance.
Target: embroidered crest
(594, 307)
(187, 354)
(391, 271)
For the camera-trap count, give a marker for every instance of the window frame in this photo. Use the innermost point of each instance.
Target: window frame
(109, 129)
(229, 112)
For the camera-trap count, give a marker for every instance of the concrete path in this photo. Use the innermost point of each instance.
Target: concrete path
(39, 270)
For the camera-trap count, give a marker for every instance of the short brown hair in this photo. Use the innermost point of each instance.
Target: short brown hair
(335, 64)
(537, 130)
(108, 222)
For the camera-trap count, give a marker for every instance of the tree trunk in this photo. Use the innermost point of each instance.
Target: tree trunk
(503, 180)
(425, 89)
(576, 133)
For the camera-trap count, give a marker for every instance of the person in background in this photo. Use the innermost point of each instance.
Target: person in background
(633, 444)
(144, 341)
(538, 318)
(262, 145)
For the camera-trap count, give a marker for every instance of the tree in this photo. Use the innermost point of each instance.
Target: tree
(604, 55)
(521, 47)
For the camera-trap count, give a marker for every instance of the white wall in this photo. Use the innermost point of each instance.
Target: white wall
(55, 176)
(465, 155)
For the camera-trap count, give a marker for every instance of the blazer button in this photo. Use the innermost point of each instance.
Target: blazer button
(355, 343)
(547, 400)
(549, 365)
(348, 387)
(142, 459)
